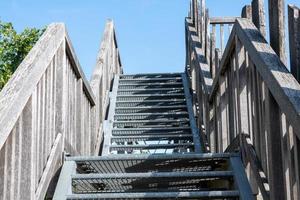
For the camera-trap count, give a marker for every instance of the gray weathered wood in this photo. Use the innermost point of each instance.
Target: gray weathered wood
(277, 27)
(258, 15)
(48, 95)
(247, 12)
(294, 39)
(222, 20)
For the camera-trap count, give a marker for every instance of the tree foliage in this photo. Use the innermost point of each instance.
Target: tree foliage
(14, 47)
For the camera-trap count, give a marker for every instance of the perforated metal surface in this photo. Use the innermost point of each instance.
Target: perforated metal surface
(151, 149)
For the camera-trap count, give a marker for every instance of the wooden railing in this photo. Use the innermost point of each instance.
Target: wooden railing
(48, 110)
(108, 64)
(251, 92)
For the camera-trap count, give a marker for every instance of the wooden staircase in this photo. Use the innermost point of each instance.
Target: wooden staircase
(152, 149)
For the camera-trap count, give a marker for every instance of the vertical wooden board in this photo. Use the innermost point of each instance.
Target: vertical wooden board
(60, 85)
(27, 157)
(207, 37)
(261, 141)
(277, 27)
(73, 112)
(79, 100)
(203, 13)
(242, 88)
(294, 40)
(265, 128)
(235, 96)
(212, 52)
(224, 112)
(51, 108)
(213, 132)
(297, 163)
(219, 136)
(284, 147)
(2, 172)
(34, 140)
(41, 131)
(9, 165)
(46, 132)
(230, 105)
(291, 163)
(16, 159)
(249, 93)
(221, 38)
(256, 141)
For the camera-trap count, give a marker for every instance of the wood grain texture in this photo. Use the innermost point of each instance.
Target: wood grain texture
(48, 107)
(294, 39)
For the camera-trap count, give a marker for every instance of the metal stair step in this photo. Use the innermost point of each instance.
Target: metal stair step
(151, 131)
(150, 116)
(154, 109)
(158, 147)
(150, 91)
(130, 163)
(150, 75)
(151, 123)
(151, 80)
(147, 182)
(144, 97)
(188, 137)
(150, 103)
(150, 85)
(228, 194)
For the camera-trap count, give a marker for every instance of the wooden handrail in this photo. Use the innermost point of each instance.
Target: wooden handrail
(108, 65)
(252, 92)
(48, 109)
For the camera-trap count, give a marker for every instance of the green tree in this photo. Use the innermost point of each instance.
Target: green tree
(14, 47)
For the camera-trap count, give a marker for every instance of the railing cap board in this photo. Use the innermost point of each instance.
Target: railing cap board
(223, 20)
(281, 83)
(206, 78)
(97, 73)
(19, 88)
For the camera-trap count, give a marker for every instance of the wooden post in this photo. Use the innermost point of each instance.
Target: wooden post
(195, 14)
(258, 15)
(203, 27)
(277, 28)
(247, 12)
(212, 51)
(207, 37)
(294, 39)
(274, 151)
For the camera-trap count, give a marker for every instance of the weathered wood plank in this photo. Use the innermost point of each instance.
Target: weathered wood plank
(258, 15)
(294, 39)
(222, 20)
(247, 12)
(277, 27)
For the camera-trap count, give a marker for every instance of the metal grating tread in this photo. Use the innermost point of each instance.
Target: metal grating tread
(152, 163)
(150, 85)
(188, 137)
(144, 97)
(156, 109)
(228, 195)
(150, 116)
(158, 147)
(146, 182)
(151, 131)
(150, 75)
(151, 123)
(149, 103)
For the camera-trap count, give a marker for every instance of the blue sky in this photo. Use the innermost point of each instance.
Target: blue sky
(150, 32)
